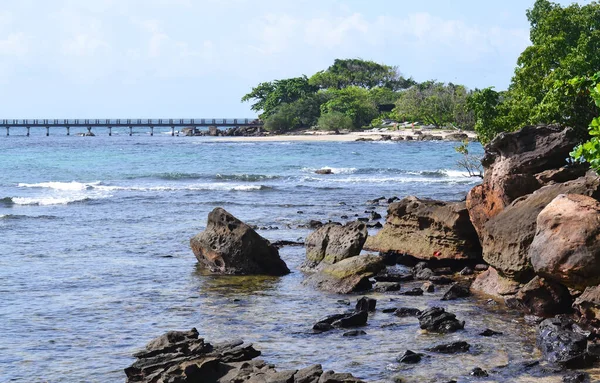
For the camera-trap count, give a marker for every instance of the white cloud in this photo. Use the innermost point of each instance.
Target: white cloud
(15, 44)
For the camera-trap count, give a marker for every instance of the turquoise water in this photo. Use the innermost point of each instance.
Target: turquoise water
(95, 257)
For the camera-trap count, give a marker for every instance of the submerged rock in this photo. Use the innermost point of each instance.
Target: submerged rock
(229, 246)
(180, 356)
(436, 319)
(366, 304)
(409, 357)
(566, 247)
(332, 243)
(450, 348)
(427, 229)
(407, 312)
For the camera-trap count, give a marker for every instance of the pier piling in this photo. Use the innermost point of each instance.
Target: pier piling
(28, 131)
(130, 131)
(110, 131)
(172, 131)
(68, 130)
(152, 131)
(7, 131)
(47, 131)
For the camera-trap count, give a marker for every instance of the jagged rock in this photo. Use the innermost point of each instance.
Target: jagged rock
(332, 243)
(229, 246)
(436, 319)
(407, 312)
(427, 229)
(456, 291)
(587, 305)
(467, 271)
(440, 280)
(542, 298)
(409, 357)
(511, 163)
(415, 292)
(566, 247)
(428, 287)
(180, 356)
(352, 320)
(562, 342)
(386, 276)
(450, 348)
(479, 372)
(489, 332)
(384, 287)
(491, 283)
(323, 171)
(366, 304)
(349, 275)
(508, 236)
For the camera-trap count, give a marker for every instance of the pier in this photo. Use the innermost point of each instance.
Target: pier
(109, 124)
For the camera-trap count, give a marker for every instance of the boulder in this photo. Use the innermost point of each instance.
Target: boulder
(180, 356)
(562, 342)
(566, 246)
(456, 291)
(366, 304)
(511, 163)
(542, 298)
(229, 246)
(587, 305)
(324, 171)
(506, 238)
(409, 357)
(427, 229)
(491, 283)
(450, 348)
(332, 243)
(347, 276)
(438, 320)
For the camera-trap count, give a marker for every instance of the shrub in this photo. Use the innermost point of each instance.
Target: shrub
(334, 121)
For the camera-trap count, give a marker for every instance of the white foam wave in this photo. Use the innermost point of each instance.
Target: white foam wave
(333, 170)
(377, 180)
(72, 186)
(455, 173)
(45, 201)
(192, 187)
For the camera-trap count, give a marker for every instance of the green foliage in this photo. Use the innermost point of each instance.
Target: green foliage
(334, 121)
(589, 151)
(472, 164)
(269, 96)
(360, 73)
(484, 104)
(434, 103)
(354, 102)
(282, 120)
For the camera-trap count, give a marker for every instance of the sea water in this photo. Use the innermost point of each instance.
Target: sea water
(95, 258)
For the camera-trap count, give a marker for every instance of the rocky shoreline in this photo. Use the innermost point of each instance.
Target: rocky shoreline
(526, 238)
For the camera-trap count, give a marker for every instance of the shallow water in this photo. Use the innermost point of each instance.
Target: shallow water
(96, 260)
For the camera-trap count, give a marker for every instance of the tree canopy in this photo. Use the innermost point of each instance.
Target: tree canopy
(269, 96)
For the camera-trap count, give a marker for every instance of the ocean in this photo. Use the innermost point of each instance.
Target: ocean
(95, 258)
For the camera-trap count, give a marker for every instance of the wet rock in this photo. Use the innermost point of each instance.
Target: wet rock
(332, 243)
(375, 201)
(392, 199)
(410, 357)
(427, 229)
(587, 305)
(314, 224)
(511, 163)
(407, 312)
(332, 377)
(322, 327)
(566, 247)
(376, 225)
(561, 342)
(309, 374)
(388, 310)
(375, 216)
(479, 372)
(489, 332)
(354, 333)
(323, 171)
(428, 287)
(283, 243)
(456, 291)
(349, 275)
(384, 287)
(229, 246)
(466, 271)
(366, 304)
(481, 267)
(422, 272)
(387, 276)
(576, 377)
(450, 348)
(440, 280)
(491, 283)
(353, 320)
(436, 319)
(443, 271)
(415, 292)
(542, 298)
(507, 237)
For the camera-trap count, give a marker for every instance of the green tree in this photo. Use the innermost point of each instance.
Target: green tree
(334, 121)
(484, 104)
(268, 96)
(360, 73)
(354, 102)
(282, 120)
(589, 151)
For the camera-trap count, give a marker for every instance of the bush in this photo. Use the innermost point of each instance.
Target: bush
(334, 121)
(589, 151)
(283, 120)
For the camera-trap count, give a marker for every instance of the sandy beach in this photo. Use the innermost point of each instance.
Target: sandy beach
(345, 137)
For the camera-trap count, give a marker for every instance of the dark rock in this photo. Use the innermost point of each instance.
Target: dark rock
(376, 225)
(466, 271)
(383, 287)
(352, 320)
(354, 333)
(309, 374)
(450, 348)
(282, 243)
(422, 272)
(366, 304)
(440, 280)
(562, 343)
(332, 243)
(332, 377)
(576, 377)
(443, 271)
(456, 291)
(479, 372)
(344, 217)
(407, 312)
(489, 332)
(392, 199)
(388, 310)
(386, 276)
(332, 318)
(323, 171)
(428, 287)
(588, 306)
(542, 298)
(375, 216)
(229, 246)
(409, 357)
(427, 229)
(436, 319)
(322, 327)
(414, 292)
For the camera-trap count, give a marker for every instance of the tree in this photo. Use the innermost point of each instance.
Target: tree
(354, 102)
(589, 151)
(484, 104)
(269, 96)
(282, 120)
(360, 73)
(334, 121)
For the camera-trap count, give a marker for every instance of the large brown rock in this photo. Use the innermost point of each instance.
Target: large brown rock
(511, 163)
(506, 237)
(229, 246)
(491, 283)
(333, 242)
(566, 247)
(542, 298)
(427, 229)
(347, 276)
(588, 305)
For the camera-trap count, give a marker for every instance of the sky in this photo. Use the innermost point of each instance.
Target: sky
(197, 58)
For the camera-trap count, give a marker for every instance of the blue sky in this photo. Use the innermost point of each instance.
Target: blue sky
(191, 58)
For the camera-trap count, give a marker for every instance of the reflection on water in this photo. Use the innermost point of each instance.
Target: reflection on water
(233, 286)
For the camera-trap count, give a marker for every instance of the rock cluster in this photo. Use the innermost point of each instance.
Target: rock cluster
(180, 356)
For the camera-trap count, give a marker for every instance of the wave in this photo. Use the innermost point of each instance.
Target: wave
(193, 187)
(72, 186)
(19, 216)
(333, 170)
(400, 179)
(45, 201)
(245, 177)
